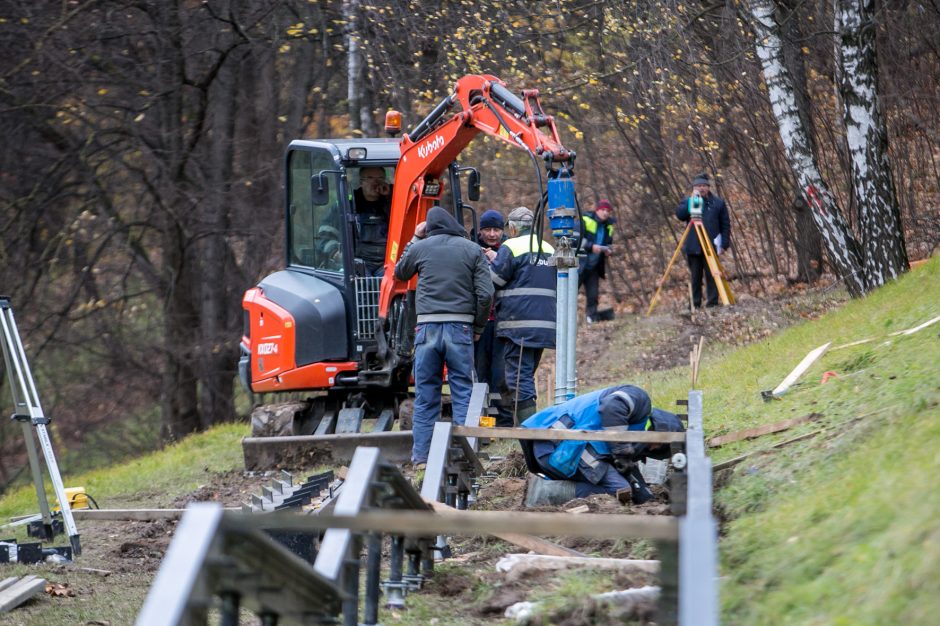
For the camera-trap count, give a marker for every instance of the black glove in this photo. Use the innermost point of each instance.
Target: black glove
(624, 465)
(639, 490)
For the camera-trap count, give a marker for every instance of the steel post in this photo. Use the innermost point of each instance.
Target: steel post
(373, 567)
(394, 592)
(561, 331)
(571, 334)
(351, 587)
(231, 604)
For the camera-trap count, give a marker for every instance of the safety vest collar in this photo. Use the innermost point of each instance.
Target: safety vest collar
(525, 244)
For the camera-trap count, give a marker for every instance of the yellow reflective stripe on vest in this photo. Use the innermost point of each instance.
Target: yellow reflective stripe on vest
(590, 224)
(525, 244)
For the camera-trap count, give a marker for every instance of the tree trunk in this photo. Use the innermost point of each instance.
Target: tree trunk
(354, 70)
(872, 180)
(841, 246)
(808, 243)
(217, 332)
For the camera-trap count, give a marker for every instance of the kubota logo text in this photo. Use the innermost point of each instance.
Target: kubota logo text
(267, 348)
(430, 146)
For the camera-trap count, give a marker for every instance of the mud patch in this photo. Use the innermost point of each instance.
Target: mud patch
(228, 488)
(449, 583)
(501, 494)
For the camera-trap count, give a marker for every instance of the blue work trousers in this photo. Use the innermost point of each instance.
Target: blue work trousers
(438, 344)
(612, 482)
(521, 364)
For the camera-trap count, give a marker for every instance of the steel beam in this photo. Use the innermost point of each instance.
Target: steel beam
(266, 453)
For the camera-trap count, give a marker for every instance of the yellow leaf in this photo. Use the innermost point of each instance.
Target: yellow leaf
(102, 91)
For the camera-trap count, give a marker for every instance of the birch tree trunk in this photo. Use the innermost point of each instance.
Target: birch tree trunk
(360, 111)
(841, 246)
(872, 180)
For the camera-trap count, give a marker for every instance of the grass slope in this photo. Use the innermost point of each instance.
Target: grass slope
(839, 528)
(842, 529)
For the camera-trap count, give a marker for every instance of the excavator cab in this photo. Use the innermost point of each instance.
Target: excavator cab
(330, 323)
(315, 325)
(312, 325)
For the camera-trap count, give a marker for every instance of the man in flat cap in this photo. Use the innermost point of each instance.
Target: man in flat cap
(717, 225)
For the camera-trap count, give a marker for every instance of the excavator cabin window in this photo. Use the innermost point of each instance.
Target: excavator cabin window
(372, 197)
(315, 232)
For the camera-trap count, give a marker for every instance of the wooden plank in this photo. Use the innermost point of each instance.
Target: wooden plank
(744, 457)
(800, 369)
(551, 434)
(766, 429)
(851, 343)
(132, 515)
(516, 566)
(911, 331)
(472, 523)
(20, 592)
(528, 542)
(7, 582)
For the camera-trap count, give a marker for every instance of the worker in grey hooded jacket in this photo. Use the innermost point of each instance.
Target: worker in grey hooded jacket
(453, 300)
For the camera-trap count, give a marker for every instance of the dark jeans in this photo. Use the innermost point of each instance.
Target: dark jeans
(591, 282)
(437, 344)
(610, 483)
(697, 267)
(519, 371)
(489, 360)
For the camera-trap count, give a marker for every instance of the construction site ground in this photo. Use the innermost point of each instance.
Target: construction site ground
(108, 582)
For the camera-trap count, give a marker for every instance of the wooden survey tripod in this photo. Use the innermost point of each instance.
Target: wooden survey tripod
(714, 265)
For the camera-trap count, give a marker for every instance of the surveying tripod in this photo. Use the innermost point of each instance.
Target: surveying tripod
(28, 412)
(714, 265)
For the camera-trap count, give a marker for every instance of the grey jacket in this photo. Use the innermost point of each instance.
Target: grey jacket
(454, 282)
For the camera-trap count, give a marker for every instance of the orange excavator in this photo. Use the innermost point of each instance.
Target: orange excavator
(342, 330)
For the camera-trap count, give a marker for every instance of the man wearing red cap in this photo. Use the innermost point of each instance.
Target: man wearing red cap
(597, 232)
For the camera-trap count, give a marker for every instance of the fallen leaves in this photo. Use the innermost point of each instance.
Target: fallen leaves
(60, 590)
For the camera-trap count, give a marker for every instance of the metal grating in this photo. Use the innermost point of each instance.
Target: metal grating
(367, 305)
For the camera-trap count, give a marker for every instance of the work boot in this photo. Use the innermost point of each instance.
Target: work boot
(526, 410)
(542, 491)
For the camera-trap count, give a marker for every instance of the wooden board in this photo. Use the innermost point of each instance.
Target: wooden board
(127, 515)
(534, 544)
(551, 434)
(474, 523)
(800, 369)
(759, 431)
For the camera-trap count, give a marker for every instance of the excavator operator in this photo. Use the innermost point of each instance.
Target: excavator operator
(372, 205)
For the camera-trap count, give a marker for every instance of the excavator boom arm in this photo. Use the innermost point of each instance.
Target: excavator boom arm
(488, 107)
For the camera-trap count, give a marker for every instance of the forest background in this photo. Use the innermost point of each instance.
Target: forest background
(141, 181)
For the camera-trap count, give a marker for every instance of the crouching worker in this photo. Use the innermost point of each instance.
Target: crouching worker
(599, 467)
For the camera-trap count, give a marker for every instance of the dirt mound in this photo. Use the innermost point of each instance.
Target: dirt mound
(228, 488)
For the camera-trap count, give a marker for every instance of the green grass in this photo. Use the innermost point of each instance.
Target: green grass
(151, 481)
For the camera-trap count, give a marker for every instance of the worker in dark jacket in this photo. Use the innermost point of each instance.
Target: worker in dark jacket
(599, 467)
(597, 234)
(717, 225)
(488, 357)
(453, 300)
(525, 311)
(372, 204)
